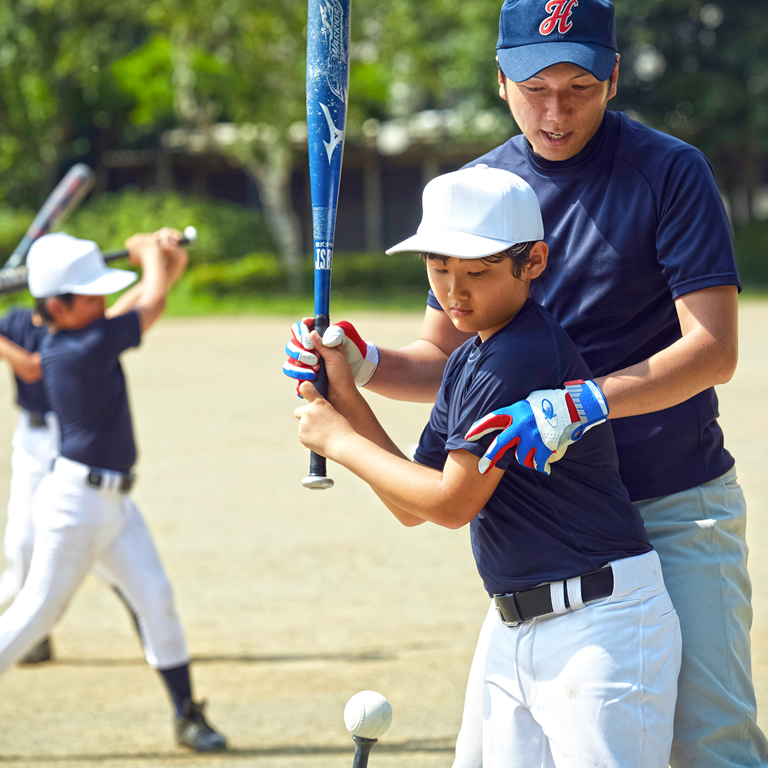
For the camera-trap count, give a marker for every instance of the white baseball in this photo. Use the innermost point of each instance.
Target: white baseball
(190, 233)
(368, 715)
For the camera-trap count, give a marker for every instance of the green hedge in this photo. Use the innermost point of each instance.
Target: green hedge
(355, 275)
(226, 231)
(235, 257)
(751, 242)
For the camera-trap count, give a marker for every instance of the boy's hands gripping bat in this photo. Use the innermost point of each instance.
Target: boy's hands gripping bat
(328, 30)
(67, 195)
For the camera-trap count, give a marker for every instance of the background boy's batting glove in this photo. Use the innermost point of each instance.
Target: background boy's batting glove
(542, 426)
(302, 364)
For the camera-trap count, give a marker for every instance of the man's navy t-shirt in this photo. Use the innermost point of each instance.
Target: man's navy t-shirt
(86, 387)
(633, 222)
(535, 528)
(17, 326)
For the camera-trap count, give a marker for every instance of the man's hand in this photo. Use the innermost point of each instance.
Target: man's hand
(542, 426)
(321, 426)
(302, 363)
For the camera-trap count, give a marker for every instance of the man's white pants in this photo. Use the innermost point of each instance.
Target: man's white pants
(79, 528)
(594, 686)
(34, 449)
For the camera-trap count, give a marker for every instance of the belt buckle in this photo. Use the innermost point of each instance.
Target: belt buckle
(511, 603)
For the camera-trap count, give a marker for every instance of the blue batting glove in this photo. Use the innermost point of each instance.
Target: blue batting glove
(542, 426)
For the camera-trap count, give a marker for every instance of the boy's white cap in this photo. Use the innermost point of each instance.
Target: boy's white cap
(475, 212)
(60, 263)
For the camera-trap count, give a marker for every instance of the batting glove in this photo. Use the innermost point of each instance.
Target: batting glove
(541, 427)
(302, 364)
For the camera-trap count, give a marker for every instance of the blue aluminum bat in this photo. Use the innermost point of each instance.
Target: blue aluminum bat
(328, 33)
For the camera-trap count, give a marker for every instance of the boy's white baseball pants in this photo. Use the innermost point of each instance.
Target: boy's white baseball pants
(594, 686)
(79, 528)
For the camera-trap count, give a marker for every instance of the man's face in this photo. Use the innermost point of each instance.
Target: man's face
(559, 109)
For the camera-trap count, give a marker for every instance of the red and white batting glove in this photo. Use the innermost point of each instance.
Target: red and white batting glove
(541, 427)
(302, 364)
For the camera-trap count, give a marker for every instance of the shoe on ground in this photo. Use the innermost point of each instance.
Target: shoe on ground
(193, 731)
(40, 653)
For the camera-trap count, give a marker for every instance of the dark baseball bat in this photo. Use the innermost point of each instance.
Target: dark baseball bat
(12, 280)
(67, 195)
(328, 32)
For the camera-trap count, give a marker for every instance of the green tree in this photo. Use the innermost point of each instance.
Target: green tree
(56, 88)
(700, 71)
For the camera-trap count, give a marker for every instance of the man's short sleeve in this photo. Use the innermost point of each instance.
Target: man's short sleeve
(693, 238)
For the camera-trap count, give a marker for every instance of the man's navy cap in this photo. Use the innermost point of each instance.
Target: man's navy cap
(536, 34)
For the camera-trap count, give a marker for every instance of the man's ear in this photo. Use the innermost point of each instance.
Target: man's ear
(538, 262)
(613, 87)
(501, 81)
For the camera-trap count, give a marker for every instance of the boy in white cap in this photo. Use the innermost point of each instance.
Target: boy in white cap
(583, 658)
(84, 517)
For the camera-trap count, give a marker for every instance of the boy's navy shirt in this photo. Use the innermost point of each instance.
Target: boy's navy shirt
(633, 222)
(17, 326)
(535, 528)
(86, 388)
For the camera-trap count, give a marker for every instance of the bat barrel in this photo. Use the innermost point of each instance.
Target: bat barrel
(77, 183)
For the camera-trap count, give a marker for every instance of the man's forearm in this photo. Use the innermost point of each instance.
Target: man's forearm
(704, 357)
(412, 373)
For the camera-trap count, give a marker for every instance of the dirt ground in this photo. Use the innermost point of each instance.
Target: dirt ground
(292, 601)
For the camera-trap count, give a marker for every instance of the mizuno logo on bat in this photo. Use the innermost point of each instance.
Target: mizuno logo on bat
(332, 16)
(336, 134)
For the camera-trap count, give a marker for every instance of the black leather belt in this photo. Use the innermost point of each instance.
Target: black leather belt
(36, 419)
(97, 479)
(521, 606)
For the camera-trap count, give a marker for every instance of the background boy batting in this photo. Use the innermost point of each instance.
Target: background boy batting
(84, 517)
(583, 657)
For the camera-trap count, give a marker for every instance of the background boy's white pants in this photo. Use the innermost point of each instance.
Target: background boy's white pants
(79, 528)
(591, 687)
(34, 449)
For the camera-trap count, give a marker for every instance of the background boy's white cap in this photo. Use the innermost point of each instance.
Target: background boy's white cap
(60, 263)
(475, 212)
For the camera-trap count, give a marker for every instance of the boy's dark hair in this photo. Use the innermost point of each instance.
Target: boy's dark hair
(42, 310)
(519, 253)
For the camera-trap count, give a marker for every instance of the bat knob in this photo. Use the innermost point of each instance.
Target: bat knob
(317, 482)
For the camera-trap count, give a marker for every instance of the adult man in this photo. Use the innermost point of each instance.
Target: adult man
(642, 276)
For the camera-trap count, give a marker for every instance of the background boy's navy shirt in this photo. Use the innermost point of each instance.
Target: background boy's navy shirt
(17, 326)
(86, 388)
(634, 221)
(535, 528)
